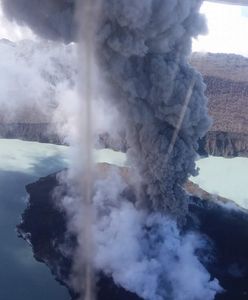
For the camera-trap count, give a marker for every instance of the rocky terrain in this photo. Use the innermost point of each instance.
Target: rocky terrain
(44, 227)
(226, 78)
(194, 190)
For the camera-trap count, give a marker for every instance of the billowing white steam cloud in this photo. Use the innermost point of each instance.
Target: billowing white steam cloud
(143, 48)
(145, 253)
(38, 85)
(33, 77)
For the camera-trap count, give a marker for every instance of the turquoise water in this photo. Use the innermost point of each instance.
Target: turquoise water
(226, 177)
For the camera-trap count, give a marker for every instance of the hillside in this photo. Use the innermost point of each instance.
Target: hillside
(226, 78)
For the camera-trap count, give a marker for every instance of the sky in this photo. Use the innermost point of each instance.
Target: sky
(228, 29)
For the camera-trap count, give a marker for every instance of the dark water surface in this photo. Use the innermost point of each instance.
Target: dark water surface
(21, 276)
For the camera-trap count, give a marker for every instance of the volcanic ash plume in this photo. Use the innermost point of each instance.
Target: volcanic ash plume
(142, 49)
(50, 19)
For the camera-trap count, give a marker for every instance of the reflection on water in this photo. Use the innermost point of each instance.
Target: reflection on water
(21, 276)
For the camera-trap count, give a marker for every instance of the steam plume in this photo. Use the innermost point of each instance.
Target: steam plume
(33, 76)
(146, 253)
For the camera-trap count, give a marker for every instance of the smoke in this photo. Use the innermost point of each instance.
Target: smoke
(33, 77)
(38, 85)
(146, 253)
(142, 50)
